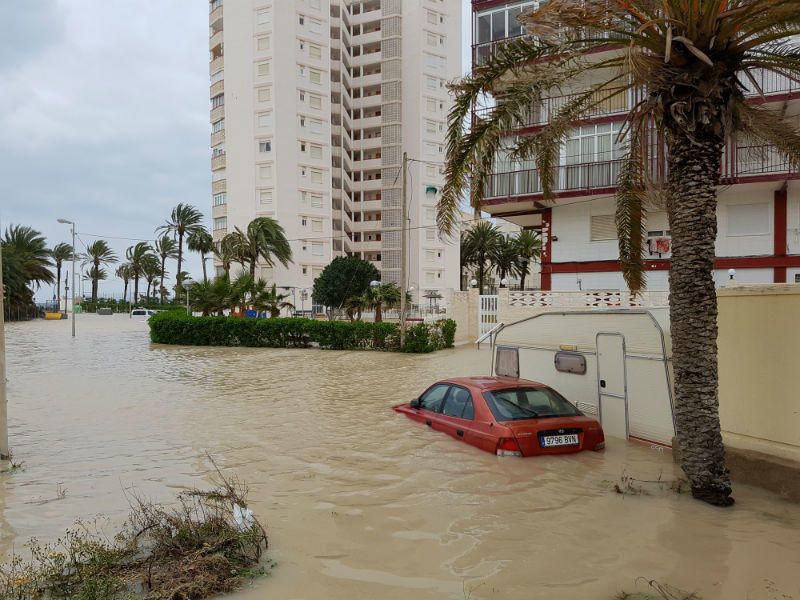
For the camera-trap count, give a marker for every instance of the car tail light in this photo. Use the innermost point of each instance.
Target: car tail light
(508, 447)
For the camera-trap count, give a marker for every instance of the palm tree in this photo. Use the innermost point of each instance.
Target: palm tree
(26, 263)
(151, 270)
(165, 247)
(211, 297)
(225, 253)
(136, 257)
(505, 258)
(183, 221)
(61, 252)
(480, 242)
(124, 273)
(241, 291)
(263, 239)
(386, 295)
(98, 253)
(688, 63)
(269, 300)
(201, 241)
(529, 249)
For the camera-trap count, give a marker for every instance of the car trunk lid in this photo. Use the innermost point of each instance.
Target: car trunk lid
(552, 435)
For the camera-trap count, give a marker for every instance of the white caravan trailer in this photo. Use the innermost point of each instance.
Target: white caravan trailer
(615, 364)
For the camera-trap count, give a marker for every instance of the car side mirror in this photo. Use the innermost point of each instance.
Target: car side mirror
(415, 403)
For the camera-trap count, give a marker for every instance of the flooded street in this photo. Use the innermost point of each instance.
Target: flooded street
(359, 502)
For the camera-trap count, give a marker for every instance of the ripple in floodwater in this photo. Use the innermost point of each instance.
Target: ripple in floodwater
(360, 502)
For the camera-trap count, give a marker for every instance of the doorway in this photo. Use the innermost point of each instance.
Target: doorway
(612, 386)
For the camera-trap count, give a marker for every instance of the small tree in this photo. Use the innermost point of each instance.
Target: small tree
(386, 295)
(345, 277)
(267, 299)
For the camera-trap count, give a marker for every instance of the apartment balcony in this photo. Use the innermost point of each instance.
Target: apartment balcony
(367, 80)
(740, 164)
(217, 88)
(217, 138)
(370, 37)
(370, 164)
(215, 41)
(366, 226)
(368, 58)
(217, 114)
(372, 143)
(219, 210)
(367, 206)
(220, 186)
(368, 185)
(372, 246)
(366, 123)
(218, 162)
(216, 65)
(215, 15)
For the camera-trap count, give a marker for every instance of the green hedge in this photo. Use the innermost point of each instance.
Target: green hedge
(175, 327)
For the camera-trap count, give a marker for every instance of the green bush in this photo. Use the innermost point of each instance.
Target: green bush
(176, 327)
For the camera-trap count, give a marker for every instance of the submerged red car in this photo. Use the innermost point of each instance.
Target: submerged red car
(506, 416)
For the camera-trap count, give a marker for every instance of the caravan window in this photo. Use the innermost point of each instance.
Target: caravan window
(507, 362)
(570, 362)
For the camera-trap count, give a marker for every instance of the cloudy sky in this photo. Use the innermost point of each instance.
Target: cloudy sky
(105, 117)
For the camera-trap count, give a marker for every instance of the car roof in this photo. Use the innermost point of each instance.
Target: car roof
(485, 382)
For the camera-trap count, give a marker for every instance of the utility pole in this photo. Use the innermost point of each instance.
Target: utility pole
(403, 252)
(4, 451)
(74, 284)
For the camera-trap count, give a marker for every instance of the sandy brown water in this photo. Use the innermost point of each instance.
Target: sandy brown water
(359, 501)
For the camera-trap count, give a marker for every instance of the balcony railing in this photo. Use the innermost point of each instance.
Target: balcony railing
(738, 163)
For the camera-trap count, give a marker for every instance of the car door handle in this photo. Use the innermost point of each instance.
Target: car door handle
(428, 423)
(460, 432)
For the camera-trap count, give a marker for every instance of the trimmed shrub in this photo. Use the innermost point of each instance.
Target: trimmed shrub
(176, 327)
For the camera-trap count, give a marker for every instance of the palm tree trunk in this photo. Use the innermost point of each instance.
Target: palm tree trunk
(161, 284)
(94, 289)
(523, 274)
(481, 267)
(253, 269)
(693, 176)
(136, 290)
(378, 313)
(125, 292)
(180, 264)
(58, 286)
(203, 258)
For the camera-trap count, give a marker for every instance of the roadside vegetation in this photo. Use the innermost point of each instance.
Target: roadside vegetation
(206, 543)
(176, 327)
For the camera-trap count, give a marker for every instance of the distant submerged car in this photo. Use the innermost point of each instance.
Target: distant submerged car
(506, 416)
(143, 312)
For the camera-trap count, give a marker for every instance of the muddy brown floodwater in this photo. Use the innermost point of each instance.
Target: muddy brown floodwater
(359, 501)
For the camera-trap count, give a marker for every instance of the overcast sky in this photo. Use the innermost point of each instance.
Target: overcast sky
(105, 116)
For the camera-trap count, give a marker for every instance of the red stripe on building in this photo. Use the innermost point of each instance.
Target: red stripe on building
(728, 262)
(780, 223)
(547, 250)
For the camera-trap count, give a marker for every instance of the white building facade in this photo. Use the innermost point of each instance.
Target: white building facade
(313, 103)
(758, 212)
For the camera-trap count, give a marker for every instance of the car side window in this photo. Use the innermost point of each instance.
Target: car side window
(432, 399)
(458, 403)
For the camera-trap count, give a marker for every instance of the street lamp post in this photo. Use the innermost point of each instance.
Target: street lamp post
(72, 224)
(186, 285)
(303, 296)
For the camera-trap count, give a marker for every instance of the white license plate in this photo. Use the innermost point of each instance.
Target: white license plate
(560, 440)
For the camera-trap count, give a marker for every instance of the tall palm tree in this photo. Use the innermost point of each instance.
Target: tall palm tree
(124, 273)
(386, 295)
(268, 299)
(688, 64)
(165, 247)
(151, 270)
(529, 249)
(184, 219)
(98, 254)
(201, 241)
(26, 264)
(60, 252)
(225, 253)
(136, 257)
(480, 242)
(264, 239)
(505, 258)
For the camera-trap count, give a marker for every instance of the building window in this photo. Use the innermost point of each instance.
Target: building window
(220, 223)
(314, 76)
(263, 69)
(265, 197)
(315, 151)
(315, 101)
(316, 225)
(316, 249)
(302, 146)
(265, 146)
(602, 228)
(218, 126)
(748, 219)
(264, 94)
(301, 19)
(304, 221)
(316, 200)
(263, 43)
(265, 119)
(218, 101)
(314, 51)
(430, 234)
(265, 172)
(264, 16)
(316, 176)
(316, 127)
(220, 199)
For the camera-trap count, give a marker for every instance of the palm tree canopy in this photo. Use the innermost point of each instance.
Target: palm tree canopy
(151, 267)
(201, 241)
(136, 256)
(99, 253)
(505, 255)
(166, 247)
(264, 239)
(480, 240)
(386, 295)
(26, 254)
(529, 245)
(184, 219)
(268, 299)
(61, 252)
(686, 63)
(124, 272)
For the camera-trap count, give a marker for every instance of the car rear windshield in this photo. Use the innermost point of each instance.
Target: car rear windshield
(528, 403)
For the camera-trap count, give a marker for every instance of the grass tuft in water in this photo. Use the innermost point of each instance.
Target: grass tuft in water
(630, 486)
(662, 591)
(206, 543)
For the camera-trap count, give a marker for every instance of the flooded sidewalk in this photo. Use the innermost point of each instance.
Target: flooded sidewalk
(359, 502)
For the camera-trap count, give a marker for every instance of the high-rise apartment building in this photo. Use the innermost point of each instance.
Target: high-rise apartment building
(313, 103)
